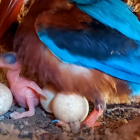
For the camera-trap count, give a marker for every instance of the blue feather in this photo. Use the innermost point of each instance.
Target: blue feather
(113, 13)
(99, 47)
(96, 42)
(135, 88)
(66, 57)
(84, 1)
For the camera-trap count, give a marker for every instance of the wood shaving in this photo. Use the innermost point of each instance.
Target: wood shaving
(130, 131)
(24, 10)
(8, 129)
(135, 4)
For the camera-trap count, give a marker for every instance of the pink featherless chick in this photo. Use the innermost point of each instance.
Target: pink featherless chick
(25, 91)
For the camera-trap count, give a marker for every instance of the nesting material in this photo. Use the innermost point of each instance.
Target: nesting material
(6, 99)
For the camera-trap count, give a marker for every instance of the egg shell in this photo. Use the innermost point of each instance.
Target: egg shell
(70, 108)
(6, 99)
(49, 92)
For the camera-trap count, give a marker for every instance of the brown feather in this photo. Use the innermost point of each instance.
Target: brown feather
(94, 85)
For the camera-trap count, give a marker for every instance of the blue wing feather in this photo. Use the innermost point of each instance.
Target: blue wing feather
(99, 47)
(99, 41)
(135, 88)
(113, 13)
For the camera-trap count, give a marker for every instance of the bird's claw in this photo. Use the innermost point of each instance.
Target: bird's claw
(90, 121)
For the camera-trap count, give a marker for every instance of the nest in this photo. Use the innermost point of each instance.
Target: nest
(119, 121)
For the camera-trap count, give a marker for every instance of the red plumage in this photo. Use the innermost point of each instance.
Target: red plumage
(8, 13)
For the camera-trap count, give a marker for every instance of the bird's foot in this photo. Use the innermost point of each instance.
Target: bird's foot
(63, 125)
(90, 121)
(15, 115)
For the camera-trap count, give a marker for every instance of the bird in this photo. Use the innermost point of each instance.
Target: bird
(25, 91)
(88, 47)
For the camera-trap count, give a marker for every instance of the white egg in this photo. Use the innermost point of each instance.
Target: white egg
(49, 92)
(70, 108)
(6, 99)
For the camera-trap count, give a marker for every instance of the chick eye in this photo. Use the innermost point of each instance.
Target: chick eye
(8, 58)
